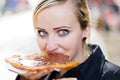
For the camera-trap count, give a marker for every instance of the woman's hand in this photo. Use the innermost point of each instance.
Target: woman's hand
(67, 79)
(35, 75)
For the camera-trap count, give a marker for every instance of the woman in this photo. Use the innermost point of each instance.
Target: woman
(62, 27)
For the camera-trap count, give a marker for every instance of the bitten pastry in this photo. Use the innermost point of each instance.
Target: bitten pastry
(41, 61)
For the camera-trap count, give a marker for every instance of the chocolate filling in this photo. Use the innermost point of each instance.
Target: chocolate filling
(50, 59)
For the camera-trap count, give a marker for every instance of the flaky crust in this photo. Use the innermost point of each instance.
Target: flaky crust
(12, 61)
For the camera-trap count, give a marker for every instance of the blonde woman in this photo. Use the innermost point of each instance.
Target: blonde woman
(62, 27)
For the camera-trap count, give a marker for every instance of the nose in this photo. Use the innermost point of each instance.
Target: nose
(51, 44)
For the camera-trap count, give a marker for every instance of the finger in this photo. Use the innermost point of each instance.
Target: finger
(36, 74)
(41, 74)
(29, 74)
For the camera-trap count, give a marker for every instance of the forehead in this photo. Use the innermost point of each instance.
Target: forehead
(57, 13)
(60, 9)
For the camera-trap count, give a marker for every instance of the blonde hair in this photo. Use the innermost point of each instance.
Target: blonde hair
(80, 8)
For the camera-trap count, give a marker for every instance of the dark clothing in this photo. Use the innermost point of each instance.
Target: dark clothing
(96, 67)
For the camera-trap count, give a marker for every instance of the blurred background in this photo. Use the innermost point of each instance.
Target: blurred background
(17, 32)
(106, 20)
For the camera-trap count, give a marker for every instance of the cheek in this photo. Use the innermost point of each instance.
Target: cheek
(75, 46)
(72, 44)
(41, 44)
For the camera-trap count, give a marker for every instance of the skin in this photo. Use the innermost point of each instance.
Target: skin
(59, 32)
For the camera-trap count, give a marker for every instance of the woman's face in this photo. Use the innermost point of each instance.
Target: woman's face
(58, 30)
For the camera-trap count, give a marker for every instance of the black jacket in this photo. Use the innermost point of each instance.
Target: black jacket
(96, 67)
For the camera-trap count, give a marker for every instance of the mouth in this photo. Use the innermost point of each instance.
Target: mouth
(54, 53)
(57, 53)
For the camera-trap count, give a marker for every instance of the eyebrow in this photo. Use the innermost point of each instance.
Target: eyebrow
(40, 28)
(54, 28)
(61, 27)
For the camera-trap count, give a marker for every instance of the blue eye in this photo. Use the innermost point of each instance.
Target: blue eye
(63, 32)
(42, 33)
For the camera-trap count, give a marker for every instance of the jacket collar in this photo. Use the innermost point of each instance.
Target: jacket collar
(91, 68)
